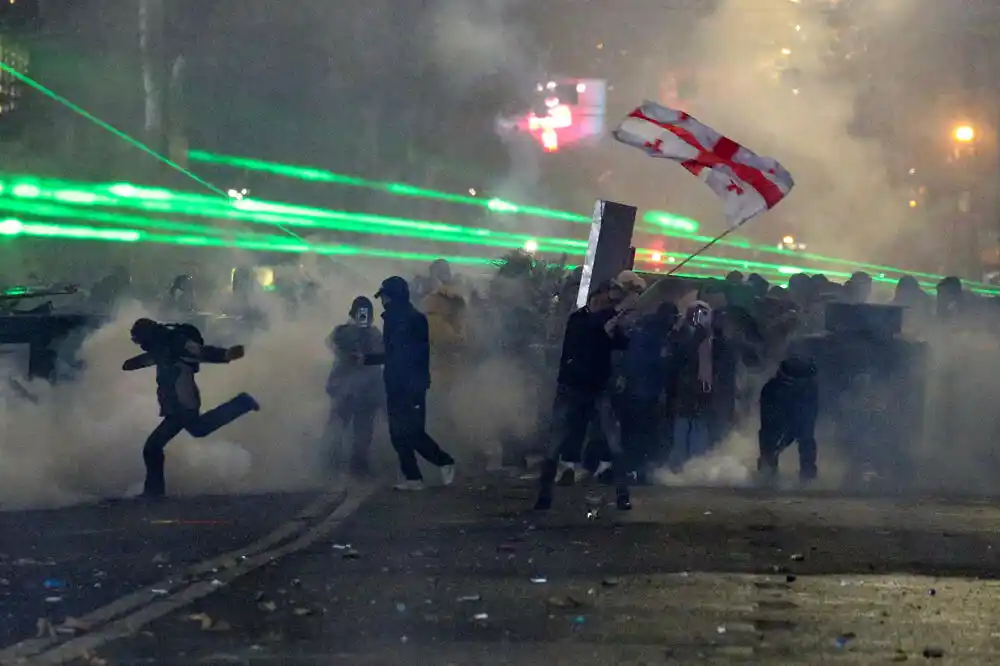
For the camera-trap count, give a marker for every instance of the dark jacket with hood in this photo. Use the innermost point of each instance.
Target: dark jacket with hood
(585, 364)
(651, 358)
(177, 351)
(789, 401)
(405, 341)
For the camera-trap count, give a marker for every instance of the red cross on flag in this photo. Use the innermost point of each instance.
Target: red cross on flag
(747, 183)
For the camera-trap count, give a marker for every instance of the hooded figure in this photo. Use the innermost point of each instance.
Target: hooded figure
(406, 374)
(177, 351)
(181, 295)
(789, 406)
(355, 389)
(648, 363)
(950, 299)
(110, 290)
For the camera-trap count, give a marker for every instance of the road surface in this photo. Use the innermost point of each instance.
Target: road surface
(467, 575)
(66, 563)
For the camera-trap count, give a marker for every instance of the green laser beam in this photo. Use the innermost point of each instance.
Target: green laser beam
(160, 200)
(114, 131)
(13, 227)
(261, 212)
(196, 235)
(63, 212)
(685, 227)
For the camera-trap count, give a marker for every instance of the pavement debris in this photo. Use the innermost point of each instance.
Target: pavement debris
(73, 626)
(208, 624)
(564, 602)
(44, 629)
(933, 652)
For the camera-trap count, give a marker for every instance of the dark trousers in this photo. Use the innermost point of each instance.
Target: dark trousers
(408, 431)
(772, 439)
(573, 412)
(640, 428)
(356, 423)
(196, 425)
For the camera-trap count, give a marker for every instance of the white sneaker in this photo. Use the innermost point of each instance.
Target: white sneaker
(602, 467)
(409, 486)
(448, 475)
(566, 474)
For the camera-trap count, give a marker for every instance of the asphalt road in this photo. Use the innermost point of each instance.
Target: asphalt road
(66, 563)
(467, 576)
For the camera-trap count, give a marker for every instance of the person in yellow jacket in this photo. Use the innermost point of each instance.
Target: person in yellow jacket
(445, 308)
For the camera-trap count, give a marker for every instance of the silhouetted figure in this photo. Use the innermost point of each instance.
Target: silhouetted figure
(177, 351)
(407, 377)
(789, 406)
(355, 389)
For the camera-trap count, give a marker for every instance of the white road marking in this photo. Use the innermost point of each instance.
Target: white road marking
(144, 606)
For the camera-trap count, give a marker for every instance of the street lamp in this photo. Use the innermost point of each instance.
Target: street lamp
(964, 134)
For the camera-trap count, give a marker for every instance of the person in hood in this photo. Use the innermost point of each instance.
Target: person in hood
(355, 389)
(177, 351)
(181, 296)
(407, 377)
(789, 406)
(951, 299)
(647, 364)
(584, 374)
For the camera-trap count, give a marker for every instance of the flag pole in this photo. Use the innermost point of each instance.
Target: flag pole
(705, 247)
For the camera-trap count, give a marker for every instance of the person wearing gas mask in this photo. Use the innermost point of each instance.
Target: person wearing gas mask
(355, 389)
(693, 394)
(406, 373)
(789, 406)
(177, 352)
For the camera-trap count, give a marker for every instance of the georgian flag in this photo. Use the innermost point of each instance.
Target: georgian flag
(747, 183)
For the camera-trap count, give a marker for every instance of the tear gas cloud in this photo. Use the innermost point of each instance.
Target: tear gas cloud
(841, 186)
(477, 43)
(83, 439)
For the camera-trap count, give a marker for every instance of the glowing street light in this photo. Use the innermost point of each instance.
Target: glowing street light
(964, 134)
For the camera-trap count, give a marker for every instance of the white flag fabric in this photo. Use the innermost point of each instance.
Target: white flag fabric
(747, 183)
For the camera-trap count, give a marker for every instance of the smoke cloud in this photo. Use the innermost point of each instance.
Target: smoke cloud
(82, 440)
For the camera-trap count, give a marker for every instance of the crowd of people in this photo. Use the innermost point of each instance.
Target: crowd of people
(651, 373)
(643, 377)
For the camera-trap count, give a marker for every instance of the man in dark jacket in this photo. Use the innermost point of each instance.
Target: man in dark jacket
(584, 372)
(178, 351)
(789, 405)
(650, 360)
(407, 376)
(355, 390)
